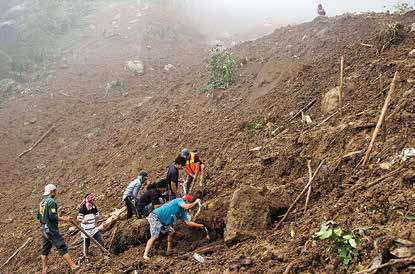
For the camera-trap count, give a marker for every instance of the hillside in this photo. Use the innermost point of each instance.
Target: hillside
(102, 139)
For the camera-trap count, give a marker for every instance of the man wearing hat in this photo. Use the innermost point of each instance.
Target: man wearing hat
(162, 218)
(47, 214)
(131, 195)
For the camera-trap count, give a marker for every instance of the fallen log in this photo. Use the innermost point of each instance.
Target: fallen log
(109, 223)
(341, 84)
(300, 195)
(16, 252)
(37, 142)
(90, 237)
(381, 118)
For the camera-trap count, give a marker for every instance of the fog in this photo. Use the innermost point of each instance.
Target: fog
(216, 18)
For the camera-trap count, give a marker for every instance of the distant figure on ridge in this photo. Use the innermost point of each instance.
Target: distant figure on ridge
(320, 10)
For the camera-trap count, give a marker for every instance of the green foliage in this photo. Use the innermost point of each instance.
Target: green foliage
(223, 69)
(254, 126)
(343, 246)
(7, 89)
(402, 8)
(39, 32)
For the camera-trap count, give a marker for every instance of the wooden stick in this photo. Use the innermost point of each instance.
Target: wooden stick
(381, 118)
(38, 142)
(391, 262)
(90, 237)
(17, 251)
(310, 174)
(299, 196)
(289, 267)
(304, 109)
(341, 84)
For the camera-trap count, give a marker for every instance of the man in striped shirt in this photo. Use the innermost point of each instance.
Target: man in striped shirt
(86, 216)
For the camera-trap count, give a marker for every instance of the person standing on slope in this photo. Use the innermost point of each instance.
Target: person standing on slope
(47, 214)
(173, 177)
(87, 215)
(194, 168)
(320, 10)
(131, 195)
(162, 218)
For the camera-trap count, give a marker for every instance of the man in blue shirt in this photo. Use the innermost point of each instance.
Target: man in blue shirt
(162, 218)
(131, 196)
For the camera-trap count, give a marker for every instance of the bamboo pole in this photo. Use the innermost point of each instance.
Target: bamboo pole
(310, 174)
(38, 142)
(300, 195)
(90, 237)
(17, 251)
(381, 118)
(341, 84)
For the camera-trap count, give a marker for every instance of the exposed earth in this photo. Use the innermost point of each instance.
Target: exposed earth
(256, 148)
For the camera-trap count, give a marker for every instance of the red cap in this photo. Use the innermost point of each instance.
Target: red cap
(187, 198)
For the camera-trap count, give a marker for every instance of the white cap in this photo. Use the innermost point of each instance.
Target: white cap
(49, 188)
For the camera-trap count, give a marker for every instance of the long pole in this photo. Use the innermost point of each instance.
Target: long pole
(90, 237)
(381, 118)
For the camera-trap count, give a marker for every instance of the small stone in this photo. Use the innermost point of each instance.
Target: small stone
(412, 53)
(411, 81)
(413, 27)
(169, 67)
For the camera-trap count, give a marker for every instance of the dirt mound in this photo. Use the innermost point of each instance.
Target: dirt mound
(100, 142)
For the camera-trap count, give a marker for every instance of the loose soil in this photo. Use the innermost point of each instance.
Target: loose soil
(102, 139)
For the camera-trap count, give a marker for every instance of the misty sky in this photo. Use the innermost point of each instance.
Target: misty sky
(216, 15)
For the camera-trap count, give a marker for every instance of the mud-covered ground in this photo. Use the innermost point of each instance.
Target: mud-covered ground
(101, 140)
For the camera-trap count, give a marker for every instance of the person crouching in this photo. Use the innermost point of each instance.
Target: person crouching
(87, 215)
(152, 198)
(162, 218)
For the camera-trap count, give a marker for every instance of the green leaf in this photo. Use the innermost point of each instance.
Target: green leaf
(327, 234)
(348, 236)
(338, 231)
(353, 243)
(411, 218)
(313, 242)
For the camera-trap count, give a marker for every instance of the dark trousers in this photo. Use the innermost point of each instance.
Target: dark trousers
(52, 238)
(97, 236)
(130, 202)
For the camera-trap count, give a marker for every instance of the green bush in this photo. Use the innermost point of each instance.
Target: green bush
(7, 89)
(343, 246)
(402, 8)
(222, 69)
(254, 126)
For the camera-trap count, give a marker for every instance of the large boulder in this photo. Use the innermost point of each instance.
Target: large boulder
(248, 214)
(330, 100)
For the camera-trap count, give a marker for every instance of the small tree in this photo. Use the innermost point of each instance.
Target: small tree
(402, 7)
(223, 69)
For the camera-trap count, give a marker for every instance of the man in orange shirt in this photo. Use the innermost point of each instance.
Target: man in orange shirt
(194, 168)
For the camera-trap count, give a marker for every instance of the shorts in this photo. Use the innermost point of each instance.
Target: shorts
(97, 236)
(52, 237)
(156, 226)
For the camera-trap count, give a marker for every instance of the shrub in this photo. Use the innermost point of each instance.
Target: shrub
(222, 69)
(343, 246)
(254, 126)
(402, 8)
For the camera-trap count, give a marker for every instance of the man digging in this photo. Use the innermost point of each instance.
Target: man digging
(162, 218)
(47, 214)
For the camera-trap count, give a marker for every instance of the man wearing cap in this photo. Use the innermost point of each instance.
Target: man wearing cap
(194, 168)
(131, 195)
(162, 218)
(47, 214)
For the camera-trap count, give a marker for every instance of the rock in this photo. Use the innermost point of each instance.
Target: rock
(410, 81)
(169, 67)
(412, 53)
(413, 27)
(129, 233)
(136, 67)
(330, 100)
(248, 214)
